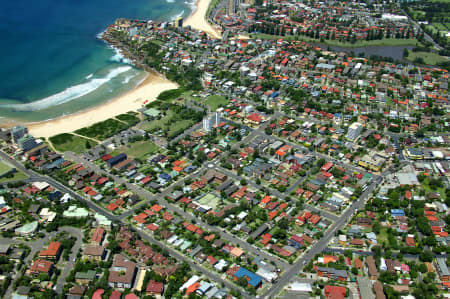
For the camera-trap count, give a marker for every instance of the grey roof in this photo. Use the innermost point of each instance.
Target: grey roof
(443, 267)
(259, 231)
(365, 287)
(334, 272)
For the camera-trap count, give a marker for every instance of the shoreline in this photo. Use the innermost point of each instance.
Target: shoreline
(197, 19)
(150, 87)
(147, 90)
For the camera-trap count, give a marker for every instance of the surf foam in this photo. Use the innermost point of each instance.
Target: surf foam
(118, 57)
(70, 93)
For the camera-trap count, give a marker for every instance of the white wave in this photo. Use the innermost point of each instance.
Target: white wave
(89, 76)
(178, 15)
(70, 93)
(119, 57)
(170, 1)
(128, 78)
(192, 5)
(99, 35)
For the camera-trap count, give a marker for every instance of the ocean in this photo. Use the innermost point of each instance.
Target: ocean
(52, 62)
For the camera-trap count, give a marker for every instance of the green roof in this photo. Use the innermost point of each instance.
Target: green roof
(74, 211)
(89, 275)
(152, 112)
(28, 228)
(102, 220)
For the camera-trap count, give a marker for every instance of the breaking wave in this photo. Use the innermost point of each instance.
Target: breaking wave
(119, 57)
(70, 93)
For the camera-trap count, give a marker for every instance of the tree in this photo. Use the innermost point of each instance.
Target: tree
(242, 281)
(426, 256)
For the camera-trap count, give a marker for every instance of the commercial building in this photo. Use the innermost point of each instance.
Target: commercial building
(27, 143)
(354, 131)
(211, 120)
(18, 132)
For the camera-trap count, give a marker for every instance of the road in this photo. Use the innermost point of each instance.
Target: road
(320, 245)
(289, 270)
(115, 218)
(37, 245)
(193, 265)
(177, 210)
(426, 36)
(74, 251)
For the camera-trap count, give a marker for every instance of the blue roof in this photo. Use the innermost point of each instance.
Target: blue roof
(165, 176)
(397, 212)
(254, 281)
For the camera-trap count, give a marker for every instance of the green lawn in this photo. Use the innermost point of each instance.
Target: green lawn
(69, 142)
(16, 177)
(166, 123)
(210, 200)
(363, 43)
(130, 119)
(382, 236)
(139, 149)
(428, 57)
(103, 129)
(215, 101)
(4, 168)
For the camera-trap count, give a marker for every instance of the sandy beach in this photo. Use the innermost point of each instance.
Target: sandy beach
(148, 90)
(198, 21)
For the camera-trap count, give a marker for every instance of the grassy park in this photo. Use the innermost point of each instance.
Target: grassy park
(103, 130)
(4, 168)
(428, 58)
(170, 123)
(69, 142)
(215, 101)
(337, 43)
(138, 150)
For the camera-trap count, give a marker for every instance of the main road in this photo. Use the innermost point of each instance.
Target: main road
(115, 218)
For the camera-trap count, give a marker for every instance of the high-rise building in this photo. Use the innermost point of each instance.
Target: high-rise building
(18, 132)
(26, 143)
(354, 131)
(211, 120)
(178, 22)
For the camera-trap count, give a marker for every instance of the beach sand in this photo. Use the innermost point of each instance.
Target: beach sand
(148, 90)
(198, 21)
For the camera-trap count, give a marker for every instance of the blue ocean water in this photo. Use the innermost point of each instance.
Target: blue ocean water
(51, 60)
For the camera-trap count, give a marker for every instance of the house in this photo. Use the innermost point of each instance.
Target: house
(94, 252)
(444, 273)
(84, 278)
(154, 288)
(76, 292)
(379, 292)
(52, 252)
(365, 288)
(122, 273)
(372, 268)
(259, 231)
(117, 159)
(253, 279)
(4, 249)
(332, 273)
(42, 267)
(98, 236)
